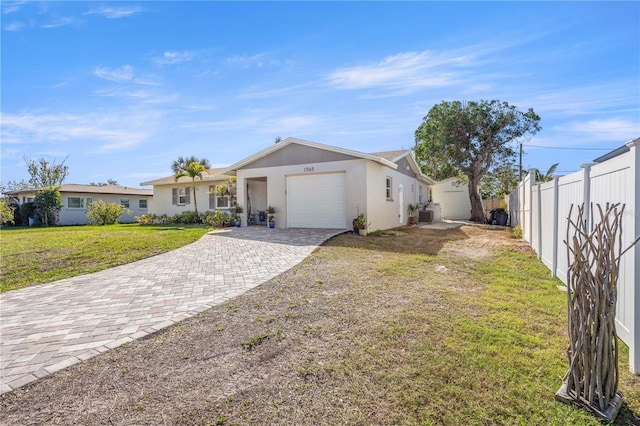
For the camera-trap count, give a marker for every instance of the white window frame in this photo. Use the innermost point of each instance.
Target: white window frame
(389, 188)
(124, 202)
(182, 196)
(83, 201)
(222, 197)
(141, 202)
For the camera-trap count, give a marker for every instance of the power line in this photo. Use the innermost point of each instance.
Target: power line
(575, 149)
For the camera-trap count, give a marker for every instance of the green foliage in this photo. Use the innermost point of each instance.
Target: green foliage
(152, 219)
(185, 218)
(217, 219)
(102, 213)
(193, 168)
(6, 212)
(27, 210)
(516, 232)
(473, 137)
(547, 176)
(13, 185)
(48, 203)
(361, 221)
(500, 181)
(45, 174)
(228, 189)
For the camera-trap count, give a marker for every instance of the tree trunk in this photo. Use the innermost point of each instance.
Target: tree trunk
(195, 201)
(477, 211)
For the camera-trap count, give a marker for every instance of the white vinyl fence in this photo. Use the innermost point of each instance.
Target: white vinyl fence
(542, 211)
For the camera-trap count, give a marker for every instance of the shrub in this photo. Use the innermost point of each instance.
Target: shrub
(6, 212)
(217, 219)
(147, 219)
(516, 232)
(27, 210)
(186, 218)
(48, 203)
(102, 213)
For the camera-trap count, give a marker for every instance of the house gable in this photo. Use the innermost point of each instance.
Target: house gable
(294, 154)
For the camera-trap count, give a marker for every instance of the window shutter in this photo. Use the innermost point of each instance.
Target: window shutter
(174, 196)
(212, 197)
(187, 195)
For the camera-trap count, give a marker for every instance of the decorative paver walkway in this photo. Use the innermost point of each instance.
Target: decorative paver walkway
(49, 327)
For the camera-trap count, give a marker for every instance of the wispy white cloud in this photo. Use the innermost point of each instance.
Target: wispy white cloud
(14, 26)
(260, 60)
(123, 73)
(116, 12)
(61, 21)
(585, 99)
(106, 131)
(11, 6)
(607, 129)
(174, 57)
(403, 71)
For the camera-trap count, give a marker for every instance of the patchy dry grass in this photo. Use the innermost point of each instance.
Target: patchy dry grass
(414, 327)
(33, 256)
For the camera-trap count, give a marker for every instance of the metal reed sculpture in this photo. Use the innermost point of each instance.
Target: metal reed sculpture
(594, 259)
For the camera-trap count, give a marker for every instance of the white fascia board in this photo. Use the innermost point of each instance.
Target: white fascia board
(288, 141)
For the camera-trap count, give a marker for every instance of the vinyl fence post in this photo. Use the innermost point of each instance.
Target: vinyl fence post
(556, 214)
(586, 197)
(539, 221)
(634, 346)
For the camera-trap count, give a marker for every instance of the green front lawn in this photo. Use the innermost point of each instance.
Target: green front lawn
(40, 255)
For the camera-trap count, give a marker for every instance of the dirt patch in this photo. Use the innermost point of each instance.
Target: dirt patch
(319, 344)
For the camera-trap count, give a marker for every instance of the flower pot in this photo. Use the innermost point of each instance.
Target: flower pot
(238, 223)
(272, 224)
(363, 232)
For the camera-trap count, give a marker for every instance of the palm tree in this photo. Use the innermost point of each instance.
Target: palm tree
(547, 176)
(192, 167)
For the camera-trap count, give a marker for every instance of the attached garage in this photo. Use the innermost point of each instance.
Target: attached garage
(317, 201)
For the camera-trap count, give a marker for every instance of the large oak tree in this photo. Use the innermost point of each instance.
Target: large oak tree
(473, 136)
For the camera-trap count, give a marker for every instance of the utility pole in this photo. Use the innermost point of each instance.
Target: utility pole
(520, 170)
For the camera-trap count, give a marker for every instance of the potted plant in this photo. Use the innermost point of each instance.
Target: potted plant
(361, 223)
(413, 209)
(271, 211)
(237, 211)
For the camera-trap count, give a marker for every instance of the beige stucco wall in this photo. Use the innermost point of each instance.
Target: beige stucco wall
(365, 190)
(355, 171)
(453, 196)
(162, 197)
(384, 214)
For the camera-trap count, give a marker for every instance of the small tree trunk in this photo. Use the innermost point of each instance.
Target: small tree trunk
(195, 201)
(477, 211)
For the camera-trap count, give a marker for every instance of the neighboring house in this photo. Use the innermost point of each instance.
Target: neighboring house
(453, 196)
(320, 186)
(76, 198)
(173, 197)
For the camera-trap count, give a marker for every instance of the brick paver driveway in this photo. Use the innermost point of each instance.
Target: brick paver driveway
(49, 327)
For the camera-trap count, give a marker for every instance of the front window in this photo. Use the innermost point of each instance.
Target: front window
(182, 196)
(222, 201)
(142, 204)
(78, 202)
(124, 202)
(389, 190)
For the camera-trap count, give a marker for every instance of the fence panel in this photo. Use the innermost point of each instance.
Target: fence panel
(542, 212)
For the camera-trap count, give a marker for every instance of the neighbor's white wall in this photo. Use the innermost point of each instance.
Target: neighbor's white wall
(73, 216)
(454, 200)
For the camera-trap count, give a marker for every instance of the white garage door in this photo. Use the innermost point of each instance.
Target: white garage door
(317, 201)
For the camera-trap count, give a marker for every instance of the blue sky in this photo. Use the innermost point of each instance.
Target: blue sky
(124, 88)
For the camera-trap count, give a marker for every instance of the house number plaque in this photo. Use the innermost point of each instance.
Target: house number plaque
(309, 169)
